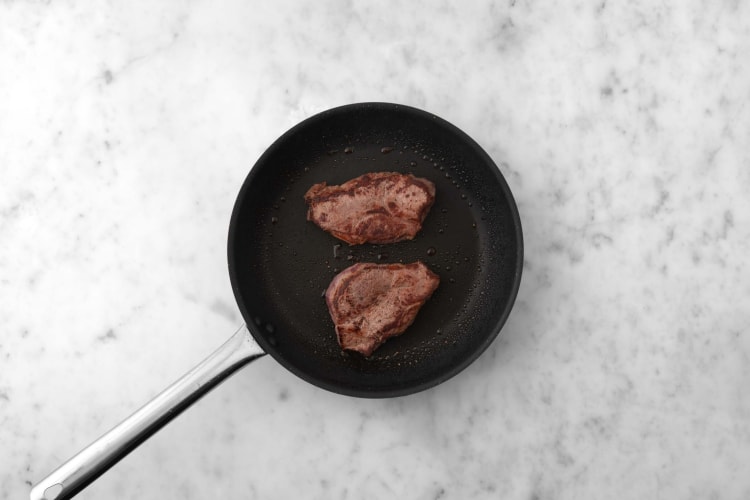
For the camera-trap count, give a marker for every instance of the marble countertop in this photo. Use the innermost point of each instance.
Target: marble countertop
(127, 128)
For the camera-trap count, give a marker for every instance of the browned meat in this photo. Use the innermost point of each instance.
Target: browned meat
(383, 207)
(370, 303)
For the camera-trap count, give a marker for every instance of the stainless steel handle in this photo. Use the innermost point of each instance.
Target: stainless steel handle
(91, 462)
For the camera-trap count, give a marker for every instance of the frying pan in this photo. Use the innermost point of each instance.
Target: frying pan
(280, 264)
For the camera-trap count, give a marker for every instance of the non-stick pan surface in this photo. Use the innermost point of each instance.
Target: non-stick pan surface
(280, 264)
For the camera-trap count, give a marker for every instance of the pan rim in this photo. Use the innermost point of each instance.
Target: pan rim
(487, 339)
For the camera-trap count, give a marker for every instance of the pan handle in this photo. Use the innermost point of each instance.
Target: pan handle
(74, 475)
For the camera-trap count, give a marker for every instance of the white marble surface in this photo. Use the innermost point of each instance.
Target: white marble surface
(623, 129)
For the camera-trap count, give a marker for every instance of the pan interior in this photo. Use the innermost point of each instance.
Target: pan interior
(281, 264)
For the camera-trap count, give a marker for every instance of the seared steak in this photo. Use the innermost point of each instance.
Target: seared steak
(370, 303)
(383, 207)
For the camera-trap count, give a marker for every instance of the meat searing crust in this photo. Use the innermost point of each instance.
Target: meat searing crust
(369, 303)
(381, 207)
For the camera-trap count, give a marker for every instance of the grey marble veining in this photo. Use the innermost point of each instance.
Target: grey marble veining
(622, 129)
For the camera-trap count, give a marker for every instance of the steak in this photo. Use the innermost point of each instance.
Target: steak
(382, 207)
(369, 303)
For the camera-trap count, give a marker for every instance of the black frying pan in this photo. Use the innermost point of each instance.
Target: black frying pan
(280, 264)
